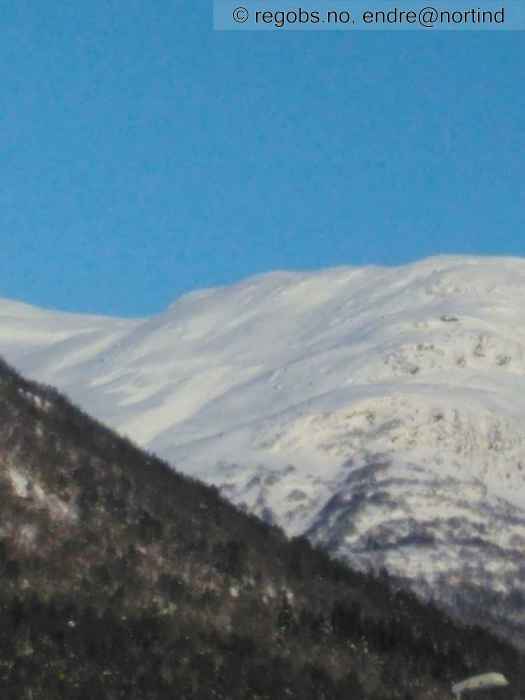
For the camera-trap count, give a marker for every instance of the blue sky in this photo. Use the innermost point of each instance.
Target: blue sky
(145, 155)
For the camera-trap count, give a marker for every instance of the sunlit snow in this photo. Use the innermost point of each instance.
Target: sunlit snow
(378, 409)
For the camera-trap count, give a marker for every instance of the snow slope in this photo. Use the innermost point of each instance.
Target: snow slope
(379, 410)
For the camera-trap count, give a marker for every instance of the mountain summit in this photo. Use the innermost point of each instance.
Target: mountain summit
(377, 410)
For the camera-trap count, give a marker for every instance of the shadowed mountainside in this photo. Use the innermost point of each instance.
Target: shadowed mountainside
(121, 578)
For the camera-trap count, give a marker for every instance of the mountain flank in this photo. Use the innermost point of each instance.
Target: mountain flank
(124, 579)
(378, 411)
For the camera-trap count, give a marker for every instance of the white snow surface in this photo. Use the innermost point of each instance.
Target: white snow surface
(380, 410)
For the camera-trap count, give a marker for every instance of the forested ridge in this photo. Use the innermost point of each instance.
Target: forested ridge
(123, 579)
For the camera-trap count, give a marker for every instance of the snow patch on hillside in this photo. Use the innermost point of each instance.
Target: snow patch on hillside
(25, 487)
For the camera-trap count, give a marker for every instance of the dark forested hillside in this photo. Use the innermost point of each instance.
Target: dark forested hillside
(123, 579)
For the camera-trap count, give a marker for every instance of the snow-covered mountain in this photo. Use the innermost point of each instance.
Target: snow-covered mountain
(378, 410)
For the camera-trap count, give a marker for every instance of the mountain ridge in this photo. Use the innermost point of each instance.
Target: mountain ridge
(287, 389)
